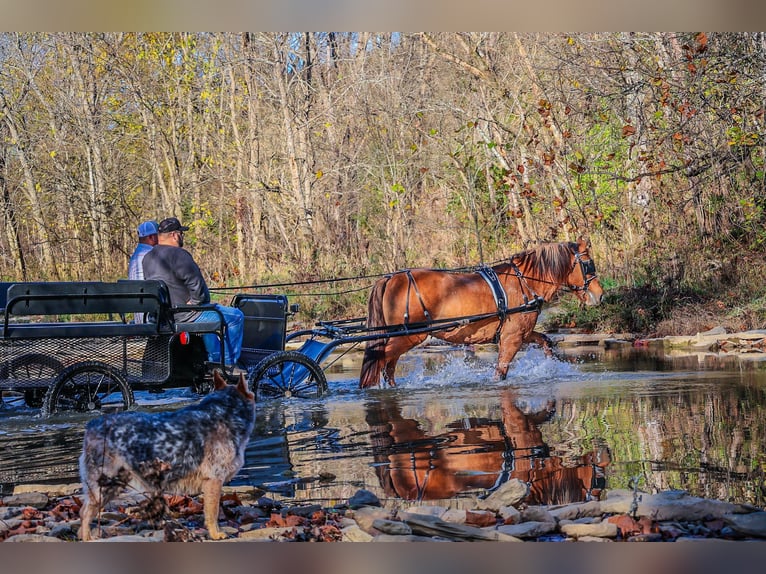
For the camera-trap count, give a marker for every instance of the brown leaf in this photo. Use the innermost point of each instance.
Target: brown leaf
(628, 130)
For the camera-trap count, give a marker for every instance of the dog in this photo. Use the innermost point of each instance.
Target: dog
(193, 450)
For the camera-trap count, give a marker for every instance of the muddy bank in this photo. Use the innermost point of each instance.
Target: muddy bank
(52, 515)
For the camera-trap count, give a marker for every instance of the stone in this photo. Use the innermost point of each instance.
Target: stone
(679, 505)
(366, 515)
(354, 534)
(480, 518)
(36, 500)
(33, 538)
(509, 514)
(753, 524)
(510, 493)
(648, 537)
(269, 533)
(432, 526)
(437, 511)
(129, 538)
(456, 515)
(408, 538)
(600, 529)
(593, 539)
(305, 511)
(8, 512)
(525, 530)
(363, 498)
(393, 527)
(537, 514)
(576, 511)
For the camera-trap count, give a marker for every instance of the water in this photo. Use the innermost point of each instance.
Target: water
(448, 432)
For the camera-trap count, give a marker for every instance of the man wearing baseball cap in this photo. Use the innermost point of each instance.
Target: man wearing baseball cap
(147, 238)
(171, 263)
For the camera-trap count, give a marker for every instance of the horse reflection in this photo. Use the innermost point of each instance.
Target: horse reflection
(478, 453)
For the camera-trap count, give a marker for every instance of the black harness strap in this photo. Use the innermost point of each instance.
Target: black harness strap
(489, 275)
(411, 284)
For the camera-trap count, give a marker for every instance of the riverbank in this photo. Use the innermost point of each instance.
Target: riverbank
(51, 514)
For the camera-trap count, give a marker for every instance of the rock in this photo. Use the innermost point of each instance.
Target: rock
(600, 529)
(129, 538)
(753, 524)
(509, 493)
(266, 533)
(480, 518)
(409, 538)
(432, 526)
(51, 491)
(36, 500)
(593, 539)
(305, 511)
(393, 527)
(537, 514)
(648, 537)
(437, 511)
(354, 534)
(525, 530)
(679, 505)
(8, 512)
(576, 511)
(456, 515)
(366, 515)
(509, 514)
(32, 538)
(363, 498)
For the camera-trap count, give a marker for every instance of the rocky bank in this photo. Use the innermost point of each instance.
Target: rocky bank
(249, 516)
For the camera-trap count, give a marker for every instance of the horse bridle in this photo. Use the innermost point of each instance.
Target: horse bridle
(588, 269)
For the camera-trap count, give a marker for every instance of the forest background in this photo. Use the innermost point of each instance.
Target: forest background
(297, 157)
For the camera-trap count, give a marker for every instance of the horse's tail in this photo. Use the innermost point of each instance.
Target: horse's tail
(374, 353)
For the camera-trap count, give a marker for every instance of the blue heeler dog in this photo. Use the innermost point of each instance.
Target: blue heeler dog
(189, 451)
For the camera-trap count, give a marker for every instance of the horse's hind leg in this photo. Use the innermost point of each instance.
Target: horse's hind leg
(395, 348)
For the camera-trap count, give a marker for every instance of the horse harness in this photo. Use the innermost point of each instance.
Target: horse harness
(532, 301)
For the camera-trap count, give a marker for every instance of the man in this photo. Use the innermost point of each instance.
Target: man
(147, 238)
(175, 266)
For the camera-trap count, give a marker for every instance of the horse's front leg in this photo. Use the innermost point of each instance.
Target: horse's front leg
(545, 343)
(509, 345)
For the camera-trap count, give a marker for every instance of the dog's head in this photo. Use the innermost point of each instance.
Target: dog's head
(219, 383)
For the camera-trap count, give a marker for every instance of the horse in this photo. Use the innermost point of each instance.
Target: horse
(494, 304)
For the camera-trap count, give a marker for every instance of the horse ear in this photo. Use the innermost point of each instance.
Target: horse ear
(583, 243)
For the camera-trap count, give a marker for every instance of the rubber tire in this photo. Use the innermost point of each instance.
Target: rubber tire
(39, 363)
(272, 377)
(96, 374)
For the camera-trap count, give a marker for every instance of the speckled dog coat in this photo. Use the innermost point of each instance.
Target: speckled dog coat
(192, 450)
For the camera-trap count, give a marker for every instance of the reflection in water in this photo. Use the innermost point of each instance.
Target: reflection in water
(477, 453)
(694, 423)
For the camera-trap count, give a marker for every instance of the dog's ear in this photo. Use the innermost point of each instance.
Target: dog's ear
(218, 381)
(242, 388)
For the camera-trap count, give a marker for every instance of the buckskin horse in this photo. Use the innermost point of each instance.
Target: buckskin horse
(493, 304)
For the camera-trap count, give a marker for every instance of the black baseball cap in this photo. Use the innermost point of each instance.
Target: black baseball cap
(171, 224)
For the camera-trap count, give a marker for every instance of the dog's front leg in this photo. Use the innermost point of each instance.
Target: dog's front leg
(211, 490)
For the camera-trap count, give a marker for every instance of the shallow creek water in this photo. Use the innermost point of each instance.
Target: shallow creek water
(570, 428)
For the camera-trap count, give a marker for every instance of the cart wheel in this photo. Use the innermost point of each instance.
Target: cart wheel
(88, 387)
(288, 374)
(33, 367)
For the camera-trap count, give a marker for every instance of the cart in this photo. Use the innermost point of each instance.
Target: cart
(73, 346)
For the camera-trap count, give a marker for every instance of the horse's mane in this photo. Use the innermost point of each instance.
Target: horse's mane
(550, 260)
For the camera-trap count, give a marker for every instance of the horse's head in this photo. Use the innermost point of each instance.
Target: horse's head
(582, 280)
